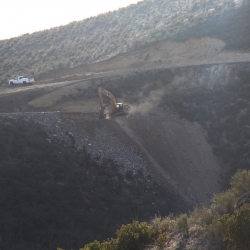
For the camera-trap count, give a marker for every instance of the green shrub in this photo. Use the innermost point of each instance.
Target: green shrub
(110, 244)
(167, 224)
(161, 239)
(95, 245)
(134, 236)
(240, 182)
(201, 216)
(237, 228)
(224, 202)
(182, 223)
(214, 232)
(217, 224)
(194, 217)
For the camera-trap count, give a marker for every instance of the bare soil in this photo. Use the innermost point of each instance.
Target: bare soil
(161, 54)
(54, 196)
(175, 151)
(152, 161)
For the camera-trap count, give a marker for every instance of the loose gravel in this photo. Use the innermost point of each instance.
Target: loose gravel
(102, 144)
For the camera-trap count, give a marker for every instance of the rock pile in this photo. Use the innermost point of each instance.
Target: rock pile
(102, 144)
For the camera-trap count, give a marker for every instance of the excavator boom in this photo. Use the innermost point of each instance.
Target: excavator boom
(102, 105)
(115, 108)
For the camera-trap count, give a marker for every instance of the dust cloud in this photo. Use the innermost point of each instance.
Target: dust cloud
(147, 103)
(154, 98)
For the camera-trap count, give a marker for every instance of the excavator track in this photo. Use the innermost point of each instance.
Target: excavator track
(115, 108)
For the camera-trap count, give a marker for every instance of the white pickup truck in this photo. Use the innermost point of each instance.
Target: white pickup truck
(21, 80)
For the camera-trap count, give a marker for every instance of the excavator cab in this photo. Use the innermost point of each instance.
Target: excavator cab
(119, 107)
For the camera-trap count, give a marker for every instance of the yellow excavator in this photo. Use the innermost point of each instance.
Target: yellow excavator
(115, 108)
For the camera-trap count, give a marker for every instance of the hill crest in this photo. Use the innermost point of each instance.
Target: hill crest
(105, 36)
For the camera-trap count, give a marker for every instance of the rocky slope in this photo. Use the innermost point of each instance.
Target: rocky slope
(187, 134)
(54, 195)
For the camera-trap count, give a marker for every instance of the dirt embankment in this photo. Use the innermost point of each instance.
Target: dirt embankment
(161, 145)
(156, 142)
(173, 150)
(57, 194)
(178, 153)
(198, 51)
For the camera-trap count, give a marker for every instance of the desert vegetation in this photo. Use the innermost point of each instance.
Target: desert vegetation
(221, 225)
(99, 38)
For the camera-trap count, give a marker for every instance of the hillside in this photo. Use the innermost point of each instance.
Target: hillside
(107, 35)
(187, 135)
(214, 96)
(161, 54)
(68, 177)
(54, 195)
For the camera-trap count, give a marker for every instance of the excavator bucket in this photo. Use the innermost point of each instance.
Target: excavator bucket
(115, 108)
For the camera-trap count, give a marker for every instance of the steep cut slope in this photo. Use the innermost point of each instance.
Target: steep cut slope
(187, 134)
(215, 96)
(166, 142)
(159, 54)
(174, 152)
(55, 196)
(178, 152)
